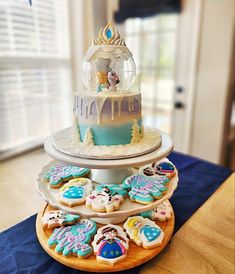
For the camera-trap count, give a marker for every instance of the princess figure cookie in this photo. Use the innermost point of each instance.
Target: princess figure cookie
(161, 213)
(106, 198)
(58, 218)
(75, 191)
(60, 173)
(163, 168)
(145, 189)
(110, 244)
(73, 240)
(143, 232)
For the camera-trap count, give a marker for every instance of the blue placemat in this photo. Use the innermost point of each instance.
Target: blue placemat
(21, 253)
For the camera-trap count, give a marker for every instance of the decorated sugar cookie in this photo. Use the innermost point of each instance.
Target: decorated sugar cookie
(58, 218)
(105, 199)
(144, 232)
(110, 244)
(161, 213)
(145, 189)
(163, 168)
(73, 240)
(75, 191)
(114, 189)
(60, 173)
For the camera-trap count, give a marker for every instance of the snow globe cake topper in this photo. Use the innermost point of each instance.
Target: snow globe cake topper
(108, 64)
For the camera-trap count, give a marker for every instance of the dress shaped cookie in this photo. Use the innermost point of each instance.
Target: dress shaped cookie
(145, 189)
(144, 232)
(161, 213)
(60, 173)
(105, 198)
(110, 244)
(73, 239)
(163, 168)
(58, 218)
(75, 191)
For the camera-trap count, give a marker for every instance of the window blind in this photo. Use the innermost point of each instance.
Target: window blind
(35, 72)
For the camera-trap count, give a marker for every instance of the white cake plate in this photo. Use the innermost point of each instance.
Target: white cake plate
(111, 171)
(127, 208)
(65, 141)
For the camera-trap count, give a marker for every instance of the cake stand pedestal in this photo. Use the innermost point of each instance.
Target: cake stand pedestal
(136, 255)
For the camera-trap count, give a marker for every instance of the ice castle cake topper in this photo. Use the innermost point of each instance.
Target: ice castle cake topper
(109, 36)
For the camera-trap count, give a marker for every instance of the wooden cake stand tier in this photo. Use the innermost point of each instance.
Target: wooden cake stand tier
(136, 255)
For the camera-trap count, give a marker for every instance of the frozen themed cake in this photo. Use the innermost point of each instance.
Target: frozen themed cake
(107, 113)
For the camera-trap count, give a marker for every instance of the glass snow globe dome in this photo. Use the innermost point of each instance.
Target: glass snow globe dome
(108, 64)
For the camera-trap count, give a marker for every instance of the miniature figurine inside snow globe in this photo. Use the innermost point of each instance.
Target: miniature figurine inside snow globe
(108, 65)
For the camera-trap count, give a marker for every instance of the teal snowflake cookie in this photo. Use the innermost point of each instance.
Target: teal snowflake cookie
(143, 189)
(56, 218)
(60, 173)
(74, 240)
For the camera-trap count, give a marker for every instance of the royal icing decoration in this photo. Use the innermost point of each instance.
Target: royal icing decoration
(75, 191)
(57, 218)
(145, 189)
(144, 232)
(161, 213)
(110, 244)
(114, 189)
(74, 239)
(62, 172)
(105, 198)
(159, 169)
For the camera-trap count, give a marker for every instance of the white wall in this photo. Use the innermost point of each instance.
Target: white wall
(211, 87)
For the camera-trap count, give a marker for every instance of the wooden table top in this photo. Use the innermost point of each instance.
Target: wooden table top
(204, 244)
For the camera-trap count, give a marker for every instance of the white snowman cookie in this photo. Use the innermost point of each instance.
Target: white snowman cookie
(110, 244)
(144, 232)
(75, 191)
(58, 218)
(104, 199)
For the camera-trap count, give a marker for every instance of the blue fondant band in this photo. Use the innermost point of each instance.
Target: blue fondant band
(109, 135)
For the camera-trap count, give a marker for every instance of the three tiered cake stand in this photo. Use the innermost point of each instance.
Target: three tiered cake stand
(107, 172)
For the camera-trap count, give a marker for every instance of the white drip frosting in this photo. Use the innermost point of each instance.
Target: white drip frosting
(85, 101)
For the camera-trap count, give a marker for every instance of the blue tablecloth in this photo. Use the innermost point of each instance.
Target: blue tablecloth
(20, 251)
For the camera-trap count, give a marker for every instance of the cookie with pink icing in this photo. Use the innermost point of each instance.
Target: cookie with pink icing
(110, 244)
(161, 213)
(105, 199)
(162, 168)
(73, 240)
(143, 189)
(75, 191)
(144, 232)
(56, 218)
(60, 173)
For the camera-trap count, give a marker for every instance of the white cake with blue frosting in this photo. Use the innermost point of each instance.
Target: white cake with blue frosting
(107, 112)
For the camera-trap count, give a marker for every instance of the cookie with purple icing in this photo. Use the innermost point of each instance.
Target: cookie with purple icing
(74, 239)
(143, 189)
(60, 173)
